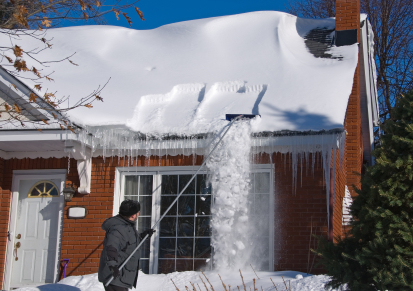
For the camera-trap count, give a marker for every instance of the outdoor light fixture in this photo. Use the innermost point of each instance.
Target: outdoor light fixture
(68, 193)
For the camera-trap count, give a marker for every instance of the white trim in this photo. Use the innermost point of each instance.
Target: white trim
(28, 135)
(33, 155)
(19, 175)
(40, 172)
(84, 170)
(154, 256)
(372, 114)
(272, 213)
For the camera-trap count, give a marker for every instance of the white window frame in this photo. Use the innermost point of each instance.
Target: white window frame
(157, 172)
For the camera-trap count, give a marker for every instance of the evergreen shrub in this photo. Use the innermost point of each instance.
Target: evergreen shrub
(377, 253)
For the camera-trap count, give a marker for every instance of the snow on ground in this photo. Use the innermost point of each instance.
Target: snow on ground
(184, 77)
(299, 282)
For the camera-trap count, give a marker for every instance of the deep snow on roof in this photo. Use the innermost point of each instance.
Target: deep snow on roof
(183, 78)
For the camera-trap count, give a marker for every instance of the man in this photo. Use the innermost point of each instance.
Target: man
(120, 241)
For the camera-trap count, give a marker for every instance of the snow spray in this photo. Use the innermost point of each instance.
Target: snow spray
(229, 169)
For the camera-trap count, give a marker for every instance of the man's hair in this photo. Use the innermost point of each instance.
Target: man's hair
(129, 207)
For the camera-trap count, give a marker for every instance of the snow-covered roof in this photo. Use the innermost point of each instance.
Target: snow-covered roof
(183, 78)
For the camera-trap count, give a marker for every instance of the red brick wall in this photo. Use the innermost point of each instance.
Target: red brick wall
(4, 217)
(297, 216)
(340, 184)
(352, 124)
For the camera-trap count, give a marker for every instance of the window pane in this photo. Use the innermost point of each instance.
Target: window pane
(144, 265)
(131, 185)
(203, 204)
(143, 223)
(262, 183)
(168, 226)
(48, 187)
(185, 248)
(169, 184)
(201, 185)
(250, 202)
(202, 248)
(146, 205)
(54, 192)
(35, 192)
(186, 226)
(263, 265)
(201, 265)
(262, 204)
(251, 178)
(167, 248)
(127, 197)
(183, 180)
(166, 201)
(166, 266)
(262, 225)
(261, 248)
(202, 226)
(186, 205)
(184, 265)
(145, 187)
(144, 250)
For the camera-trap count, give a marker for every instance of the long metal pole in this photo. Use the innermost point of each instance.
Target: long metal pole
(176, 199)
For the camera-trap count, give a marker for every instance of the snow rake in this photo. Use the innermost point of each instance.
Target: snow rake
(229, 117)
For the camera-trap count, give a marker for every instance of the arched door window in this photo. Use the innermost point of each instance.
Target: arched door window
(43, 189)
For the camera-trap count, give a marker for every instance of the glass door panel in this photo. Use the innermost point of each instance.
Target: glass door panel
(139, 188)
(184, 241)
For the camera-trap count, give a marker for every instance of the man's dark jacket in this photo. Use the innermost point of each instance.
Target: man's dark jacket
(120, 241)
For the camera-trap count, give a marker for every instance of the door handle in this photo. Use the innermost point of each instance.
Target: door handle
(18, 236)
(16, 246)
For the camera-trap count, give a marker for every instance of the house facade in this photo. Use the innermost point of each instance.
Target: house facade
(297, 182)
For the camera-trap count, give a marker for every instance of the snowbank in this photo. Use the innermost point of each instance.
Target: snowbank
(184, 77)
(299, 282)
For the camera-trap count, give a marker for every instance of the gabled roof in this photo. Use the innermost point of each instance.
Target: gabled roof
(184, 77)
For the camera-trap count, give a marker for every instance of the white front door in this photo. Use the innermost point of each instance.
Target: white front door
(36, 235)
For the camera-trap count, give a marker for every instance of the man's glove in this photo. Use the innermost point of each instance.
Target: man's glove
(115, 271)
(148, 232)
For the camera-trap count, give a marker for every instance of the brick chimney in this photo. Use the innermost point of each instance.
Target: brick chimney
(347, 22)
(348, 33)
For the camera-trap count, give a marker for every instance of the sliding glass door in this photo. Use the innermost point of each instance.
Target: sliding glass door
(183, 238)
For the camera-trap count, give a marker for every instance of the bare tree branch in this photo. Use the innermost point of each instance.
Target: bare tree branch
(30, 19)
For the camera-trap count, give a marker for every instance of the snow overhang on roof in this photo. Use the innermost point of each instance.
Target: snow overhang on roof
(182, 78)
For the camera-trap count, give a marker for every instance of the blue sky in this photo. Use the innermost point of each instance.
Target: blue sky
(161, 12)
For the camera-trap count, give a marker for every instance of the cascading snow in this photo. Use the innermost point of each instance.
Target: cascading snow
(229, 168)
